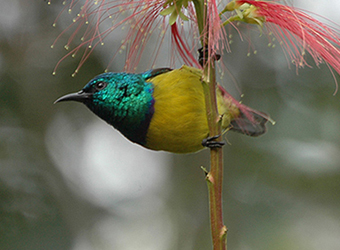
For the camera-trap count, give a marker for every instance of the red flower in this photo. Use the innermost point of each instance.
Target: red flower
(298, 33)
(140, 18)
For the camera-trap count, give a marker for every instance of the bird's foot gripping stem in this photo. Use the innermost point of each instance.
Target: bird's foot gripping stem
(211, 143)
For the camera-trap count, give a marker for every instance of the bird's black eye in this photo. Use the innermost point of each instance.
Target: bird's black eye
(100, 85)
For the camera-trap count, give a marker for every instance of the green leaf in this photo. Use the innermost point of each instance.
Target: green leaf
(167, 11)
(173, 18)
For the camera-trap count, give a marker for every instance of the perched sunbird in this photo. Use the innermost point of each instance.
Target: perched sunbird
(164, 109)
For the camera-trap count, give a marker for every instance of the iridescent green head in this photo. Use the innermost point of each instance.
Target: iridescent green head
(123, 100)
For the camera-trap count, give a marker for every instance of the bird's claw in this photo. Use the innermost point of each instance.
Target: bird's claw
(211, 143)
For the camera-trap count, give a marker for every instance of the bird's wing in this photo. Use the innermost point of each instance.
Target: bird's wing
(154, 72)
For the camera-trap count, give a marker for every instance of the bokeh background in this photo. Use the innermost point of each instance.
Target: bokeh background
(69, 181)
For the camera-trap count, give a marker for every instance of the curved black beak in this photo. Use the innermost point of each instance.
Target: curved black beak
(80, 96)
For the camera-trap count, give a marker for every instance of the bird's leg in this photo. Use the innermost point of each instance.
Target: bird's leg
(211, 143)
(203, 53)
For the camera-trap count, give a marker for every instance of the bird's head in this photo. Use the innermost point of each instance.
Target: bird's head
(95, 91)
(109, 94)
(123, 100)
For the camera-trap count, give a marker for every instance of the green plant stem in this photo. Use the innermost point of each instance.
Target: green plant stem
(200, 14)
(215, 176)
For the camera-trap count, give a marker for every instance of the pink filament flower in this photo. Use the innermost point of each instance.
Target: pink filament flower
(296, 31)
(299, 33)
(140, 18)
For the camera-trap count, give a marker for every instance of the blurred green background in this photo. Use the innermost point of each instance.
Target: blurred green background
(69, 181)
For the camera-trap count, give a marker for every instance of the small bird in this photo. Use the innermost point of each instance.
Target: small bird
(164, 109)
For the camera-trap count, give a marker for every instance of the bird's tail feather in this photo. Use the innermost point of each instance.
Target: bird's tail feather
(249, 121)
(252, 123)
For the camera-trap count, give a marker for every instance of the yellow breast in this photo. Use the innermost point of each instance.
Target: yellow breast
(179, 123)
